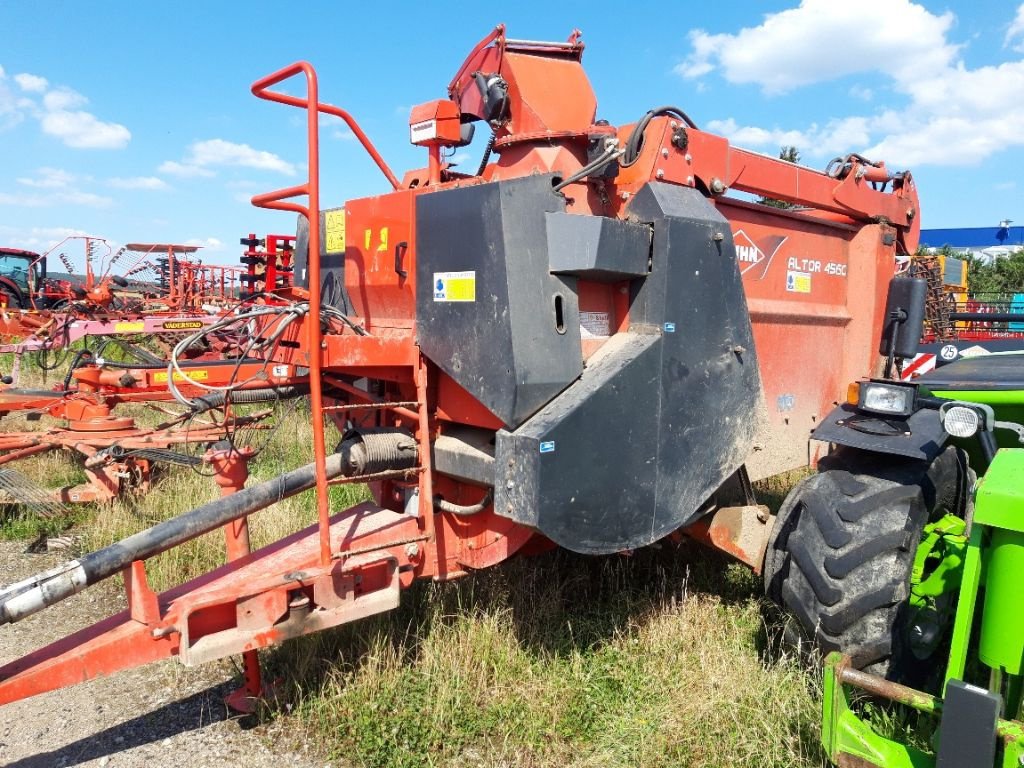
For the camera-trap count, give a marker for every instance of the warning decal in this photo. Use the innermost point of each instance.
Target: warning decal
(160, 377)
(129, 327)
(455, 286)
(798, 282)
(334, 223)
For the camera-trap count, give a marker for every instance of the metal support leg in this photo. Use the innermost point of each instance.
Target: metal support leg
(232, 468)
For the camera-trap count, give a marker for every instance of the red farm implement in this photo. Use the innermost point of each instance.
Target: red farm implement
(586, 343)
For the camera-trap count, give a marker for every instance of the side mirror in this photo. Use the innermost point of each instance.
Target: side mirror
(42, 267)
(904, 319)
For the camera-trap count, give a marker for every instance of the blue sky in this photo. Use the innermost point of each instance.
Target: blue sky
(134, 121)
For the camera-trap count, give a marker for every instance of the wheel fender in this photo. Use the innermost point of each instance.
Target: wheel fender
(920, 436)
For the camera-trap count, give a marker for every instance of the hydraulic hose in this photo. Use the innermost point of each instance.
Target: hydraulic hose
(49, 587)
(465, 510)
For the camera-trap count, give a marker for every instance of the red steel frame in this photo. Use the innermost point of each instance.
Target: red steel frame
(353, 564)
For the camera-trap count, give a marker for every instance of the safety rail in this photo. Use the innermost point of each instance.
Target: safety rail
(280, 200)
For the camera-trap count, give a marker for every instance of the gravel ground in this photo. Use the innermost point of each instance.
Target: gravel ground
(159, 714)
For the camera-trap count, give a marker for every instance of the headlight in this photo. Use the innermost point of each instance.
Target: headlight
(891, 399)
(966, 419)
(961, 421)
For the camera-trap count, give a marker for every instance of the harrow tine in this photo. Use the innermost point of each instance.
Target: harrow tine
(23, 491)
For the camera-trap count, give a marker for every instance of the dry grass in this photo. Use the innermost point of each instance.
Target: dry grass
(665, 658)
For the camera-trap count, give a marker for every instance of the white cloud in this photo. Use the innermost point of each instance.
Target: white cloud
(138, 182)
(61, 197)
(58, 113)
(48, 178)
(38, 239)
(835, 137)
(182, 170)
(1016, 30)
(950, 114)
(54, 186)
(814, 43)
(82, 130)
(207, 243)
(861, 92)
(11, 113)
(202, 155)
(62, 98)
(31, 83)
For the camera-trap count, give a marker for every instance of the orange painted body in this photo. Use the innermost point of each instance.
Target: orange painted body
(814, 281)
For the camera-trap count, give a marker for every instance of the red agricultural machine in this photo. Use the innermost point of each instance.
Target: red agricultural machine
(586, 343)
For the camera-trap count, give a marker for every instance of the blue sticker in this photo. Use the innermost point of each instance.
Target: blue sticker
(548, 446)
(440, 285)
(670, 327)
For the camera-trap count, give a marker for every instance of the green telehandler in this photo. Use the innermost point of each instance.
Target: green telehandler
(903, 560)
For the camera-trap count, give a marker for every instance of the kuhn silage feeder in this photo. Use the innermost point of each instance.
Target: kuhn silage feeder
(588, 342)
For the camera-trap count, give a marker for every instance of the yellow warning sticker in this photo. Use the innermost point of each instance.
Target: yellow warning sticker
(798, 282)
(129, 327)
(160, 377)
(334, 224)
(455, 286)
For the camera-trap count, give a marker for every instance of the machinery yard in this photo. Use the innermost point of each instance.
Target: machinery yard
(525, 422)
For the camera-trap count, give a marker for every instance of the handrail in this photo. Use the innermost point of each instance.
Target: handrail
(277, 201)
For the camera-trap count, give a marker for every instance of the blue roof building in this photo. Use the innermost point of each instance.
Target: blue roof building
(984, 242)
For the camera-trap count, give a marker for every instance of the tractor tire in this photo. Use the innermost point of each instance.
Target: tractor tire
(10, 298)
(843, 548)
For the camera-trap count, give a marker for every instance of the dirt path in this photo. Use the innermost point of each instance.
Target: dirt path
(161, 714)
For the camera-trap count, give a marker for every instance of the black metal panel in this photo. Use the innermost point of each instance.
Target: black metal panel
(584, 469)
(920, 436)
(505, 346)
(967, 732)
(332, 265)
(598, 248)
(984, 372)
(710, 381)
(663, 415)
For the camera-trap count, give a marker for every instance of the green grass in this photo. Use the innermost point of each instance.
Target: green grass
(664, 658)
(659, 659)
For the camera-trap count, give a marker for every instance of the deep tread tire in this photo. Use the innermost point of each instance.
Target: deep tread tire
(843, 547)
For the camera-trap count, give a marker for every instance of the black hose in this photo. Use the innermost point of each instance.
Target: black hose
(636, 137)
(487, 154)
(76, 364)
(465, 509)
(36, 593)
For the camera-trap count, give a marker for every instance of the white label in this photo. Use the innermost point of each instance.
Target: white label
(279, 371)
(594, 325)
(424, 131)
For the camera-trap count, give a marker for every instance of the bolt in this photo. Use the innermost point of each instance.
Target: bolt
(412, 550)
(624, 195)
(911, 214)
(689, 180)
(672, 125)
(717, 186)
(664, 151)
(689, 158)
(718, 237)
(762, 516)
(660, 174)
